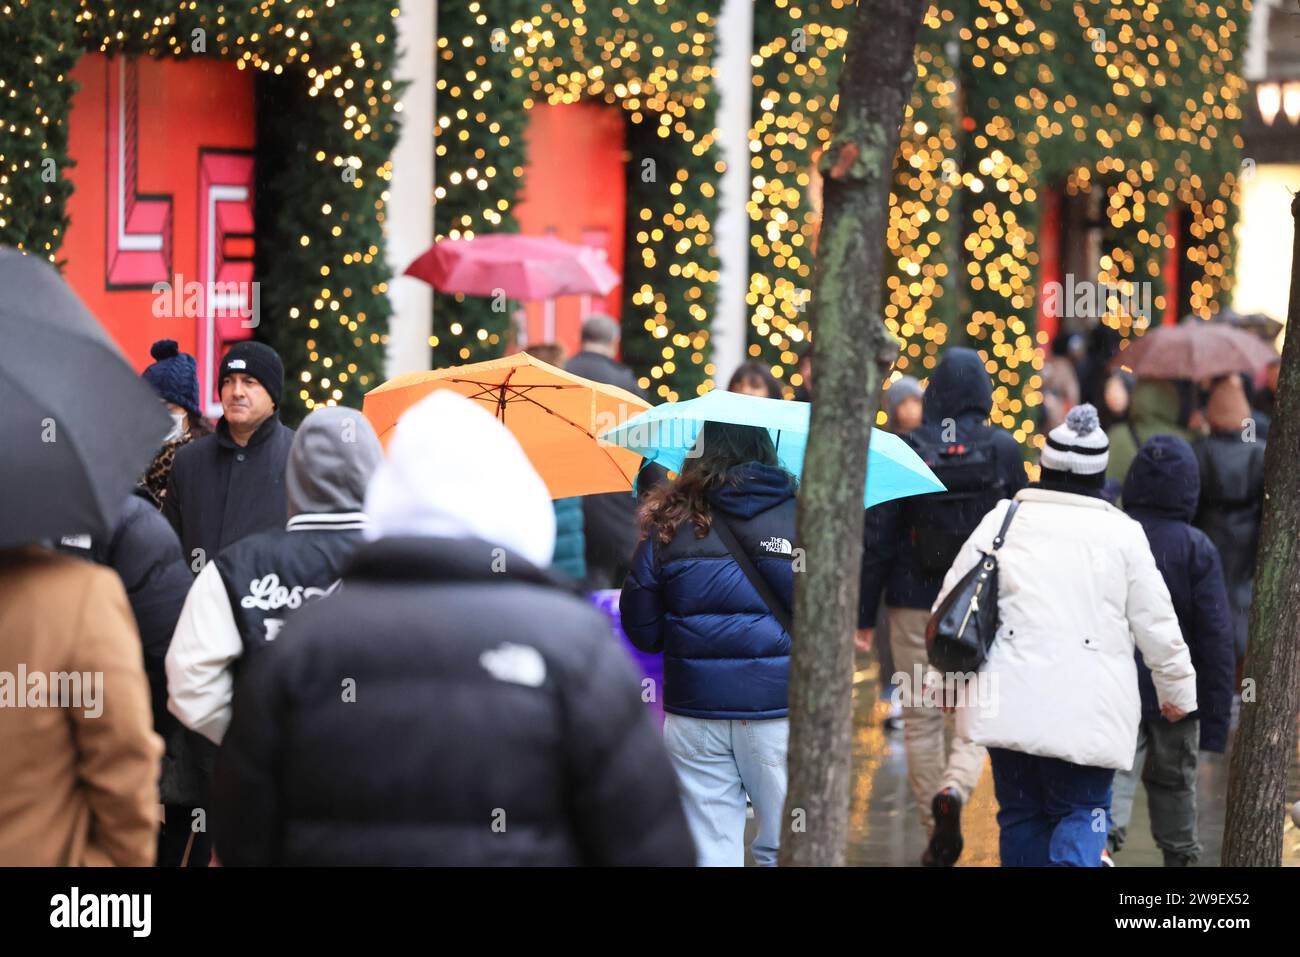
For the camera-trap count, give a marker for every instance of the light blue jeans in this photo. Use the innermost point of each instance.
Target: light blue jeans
(718, 762)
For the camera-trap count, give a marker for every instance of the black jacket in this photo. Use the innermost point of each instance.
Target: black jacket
(220, 492)
(1161, 492)
(144, 552)
(609, 520)
(725, 654)
(271, 574)
(435, 711)
(958, 400)
(1230, 509)
(600, 368)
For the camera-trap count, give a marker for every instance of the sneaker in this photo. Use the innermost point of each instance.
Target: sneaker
(894, 720)
(946, 841)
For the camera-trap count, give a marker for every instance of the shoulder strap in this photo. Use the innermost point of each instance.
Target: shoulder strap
(1006, 523)
(774, 604)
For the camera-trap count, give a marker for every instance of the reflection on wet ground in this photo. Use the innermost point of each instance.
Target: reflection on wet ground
(885, 828)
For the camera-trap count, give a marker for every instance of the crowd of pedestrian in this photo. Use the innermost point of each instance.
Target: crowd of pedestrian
(320, 651)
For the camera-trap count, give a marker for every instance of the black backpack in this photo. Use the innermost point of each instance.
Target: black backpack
(941, 523)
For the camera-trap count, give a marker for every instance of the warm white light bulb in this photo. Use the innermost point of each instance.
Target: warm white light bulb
(1268, 96)
(1291, 101)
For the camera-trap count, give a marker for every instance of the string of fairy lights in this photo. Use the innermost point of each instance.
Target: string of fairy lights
(652, 60)
(1138, 100)
(327, 66)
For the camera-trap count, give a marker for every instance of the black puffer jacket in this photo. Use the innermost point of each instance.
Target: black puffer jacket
(1231, 505)
(450, 705)
(144, 552)
(220, 492)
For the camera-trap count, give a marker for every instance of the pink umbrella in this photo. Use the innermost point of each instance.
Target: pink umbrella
(1194, 350)
(530, 268)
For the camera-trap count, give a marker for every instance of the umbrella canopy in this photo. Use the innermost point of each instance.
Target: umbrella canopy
(667, 432)
(77, 425)
(1194, 350)
(522, 267)
(554, 415)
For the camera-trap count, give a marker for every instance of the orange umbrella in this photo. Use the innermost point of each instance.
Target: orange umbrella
(554, 415)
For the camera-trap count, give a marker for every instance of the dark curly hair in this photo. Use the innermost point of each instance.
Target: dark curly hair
(720, 447)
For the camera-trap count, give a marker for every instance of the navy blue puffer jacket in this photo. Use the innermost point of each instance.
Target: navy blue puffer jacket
(725, 654)
(1161, 492)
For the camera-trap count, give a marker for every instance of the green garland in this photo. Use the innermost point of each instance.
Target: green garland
(650, 59)
(1150, 114)
(328, 126)
(480, 105)
(38, 49)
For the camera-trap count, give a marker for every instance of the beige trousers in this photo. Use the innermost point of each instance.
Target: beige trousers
(930, 768)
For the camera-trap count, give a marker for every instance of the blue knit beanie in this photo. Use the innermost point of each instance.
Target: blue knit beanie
(174, 376)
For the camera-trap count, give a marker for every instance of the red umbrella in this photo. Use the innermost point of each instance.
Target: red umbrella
(530, 268)
(1194, 350)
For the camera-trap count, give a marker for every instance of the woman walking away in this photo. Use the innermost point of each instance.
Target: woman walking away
(1077, 587)
(711, 587)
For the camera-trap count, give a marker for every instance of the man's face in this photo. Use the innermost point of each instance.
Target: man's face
(244, 400)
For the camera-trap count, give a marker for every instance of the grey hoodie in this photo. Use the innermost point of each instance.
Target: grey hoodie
(334, 454)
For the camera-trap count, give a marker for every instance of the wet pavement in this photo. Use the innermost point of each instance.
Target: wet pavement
(885, 827)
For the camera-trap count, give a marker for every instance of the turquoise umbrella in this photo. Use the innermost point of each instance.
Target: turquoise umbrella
(666, 433)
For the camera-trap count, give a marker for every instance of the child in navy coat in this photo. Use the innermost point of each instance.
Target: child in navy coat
(1161, 492)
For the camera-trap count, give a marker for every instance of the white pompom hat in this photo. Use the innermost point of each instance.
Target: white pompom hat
(1078, 444)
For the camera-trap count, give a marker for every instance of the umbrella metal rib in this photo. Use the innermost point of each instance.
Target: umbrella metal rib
(520, 392)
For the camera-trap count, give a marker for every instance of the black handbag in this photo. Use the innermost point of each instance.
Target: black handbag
(961, 630)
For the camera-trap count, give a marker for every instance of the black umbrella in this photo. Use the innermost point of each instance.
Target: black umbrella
(77, 426)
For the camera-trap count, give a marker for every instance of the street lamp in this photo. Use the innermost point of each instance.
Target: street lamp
(1268, 96)
(1291, 101)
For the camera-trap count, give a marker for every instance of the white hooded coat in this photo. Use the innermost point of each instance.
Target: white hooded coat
(454, 471)
(1077, 588)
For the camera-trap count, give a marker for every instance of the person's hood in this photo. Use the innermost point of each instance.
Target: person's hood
(334, 454)
(959, 385)
(1163, 479)
(454, 471)
(1155, 405)
(752, 488)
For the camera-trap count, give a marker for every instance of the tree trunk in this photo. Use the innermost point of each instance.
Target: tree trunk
(1265, 742)
(853, 350)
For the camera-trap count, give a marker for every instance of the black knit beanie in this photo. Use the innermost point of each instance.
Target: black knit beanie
(258, 360)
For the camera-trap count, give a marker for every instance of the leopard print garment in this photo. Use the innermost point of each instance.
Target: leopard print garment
(154, 483)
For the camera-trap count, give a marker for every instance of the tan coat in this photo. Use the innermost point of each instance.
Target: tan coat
(78, 789)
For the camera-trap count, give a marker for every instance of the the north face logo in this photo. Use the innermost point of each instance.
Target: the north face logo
(236, 364)
(517, 664)
(778, 546)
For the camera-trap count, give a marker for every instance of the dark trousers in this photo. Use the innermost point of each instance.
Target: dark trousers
(1051, 813)
(1166, 761)
(174, 839)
